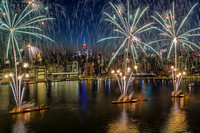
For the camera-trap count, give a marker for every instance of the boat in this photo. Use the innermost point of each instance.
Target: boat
(20, 110)
(178, 96)
(130, 101)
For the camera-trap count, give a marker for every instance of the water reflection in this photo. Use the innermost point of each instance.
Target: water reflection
(48, 89)
(30, 91)
(94, 90)
(63, 92)
(86, 107)
(4, 97)
(177, 121)
(107, 87)
(123, 124)
(142, 88)
(41, 93)
(83, 98)
(20, 123)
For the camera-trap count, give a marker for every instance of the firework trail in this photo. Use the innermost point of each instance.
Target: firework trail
(33, 52)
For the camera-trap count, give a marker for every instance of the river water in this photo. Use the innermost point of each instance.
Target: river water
(85, 106)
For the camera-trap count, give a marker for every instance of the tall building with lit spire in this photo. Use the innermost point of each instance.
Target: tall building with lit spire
(84, 47)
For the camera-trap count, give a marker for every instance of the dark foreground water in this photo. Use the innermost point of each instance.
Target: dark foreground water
(85, 106)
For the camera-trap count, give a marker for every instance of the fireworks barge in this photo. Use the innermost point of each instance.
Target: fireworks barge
(130, 101)
(178, 96)
(19, 110)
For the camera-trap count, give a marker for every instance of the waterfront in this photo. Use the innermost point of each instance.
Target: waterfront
(85, 106)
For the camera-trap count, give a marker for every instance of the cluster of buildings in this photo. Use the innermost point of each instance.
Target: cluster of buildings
(188, 61)
(85, 64)
(88, 64)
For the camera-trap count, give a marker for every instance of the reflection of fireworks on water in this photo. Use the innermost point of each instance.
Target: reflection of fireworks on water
(33, 52)
(177, 120)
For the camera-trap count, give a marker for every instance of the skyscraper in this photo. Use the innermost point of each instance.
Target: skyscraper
(84, 47)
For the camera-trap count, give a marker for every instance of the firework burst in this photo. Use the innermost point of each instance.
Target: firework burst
(173, 31)
(127, 27)
(20, 25)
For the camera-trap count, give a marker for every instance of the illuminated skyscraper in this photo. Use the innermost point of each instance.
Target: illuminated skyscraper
(84, 47)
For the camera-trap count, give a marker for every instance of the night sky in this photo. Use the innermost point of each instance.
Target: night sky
(76, 19)
(84, 19)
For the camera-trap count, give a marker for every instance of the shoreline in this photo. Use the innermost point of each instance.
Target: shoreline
(33, 81)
